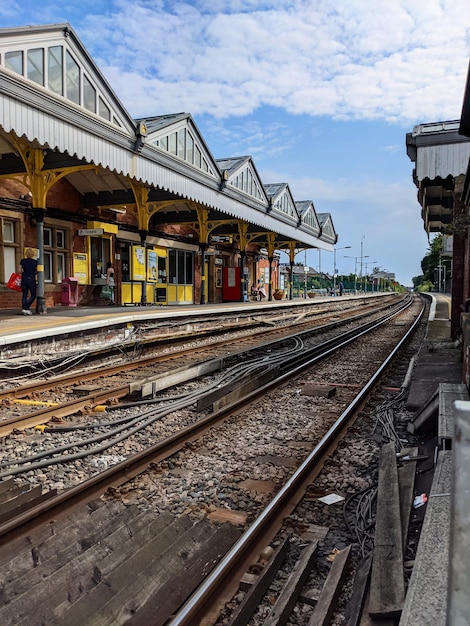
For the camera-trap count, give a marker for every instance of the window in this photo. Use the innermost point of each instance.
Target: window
(181, 144)
(60, 238)
(103, 109)
(100, 255)
(72, 79)
(14, 61)
(55, 254)
(125, 261)
(60, 266)
(189, 149)
(180, 267)
(172, 146)
(89, 95)
(9, 230)
(55, 81)
(35, 65)
(197, 157)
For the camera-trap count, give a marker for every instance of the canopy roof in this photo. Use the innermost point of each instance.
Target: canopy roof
(54, 97)
(440, 155)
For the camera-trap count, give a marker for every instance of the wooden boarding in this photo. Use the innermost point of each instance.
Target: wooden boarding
(260, 486)
(427, 593)
(314, 532)
(321, 391)
(24, 502)
(213, 396)
(37, 537)
(25, 495)
(366, 619)
(75, 543)
(74, 576)
(227, 515)
(292, 589)
(426, 418)
(124, 589)
(9, 489)
(187, 576)
(250, 602)
(356, 602)
(6, 485)
(151, 386)
(242, 390)
(448, 394)
(331, 589)
(406, 483)
(387, 590)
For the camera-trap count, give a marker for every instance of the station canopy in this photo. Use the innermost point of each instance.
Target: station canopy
(56, 103)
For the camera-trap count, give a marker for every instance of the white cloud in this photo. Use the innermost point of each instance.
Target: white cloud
(373, 209)
(306, 57)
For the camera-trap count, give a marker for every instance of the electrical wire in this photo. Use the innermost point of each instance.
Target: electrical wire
(134, 425)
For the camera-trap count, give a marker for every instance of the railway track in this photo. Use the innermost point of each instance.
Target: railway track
(82, 390)
(80, 351)
(286, 399)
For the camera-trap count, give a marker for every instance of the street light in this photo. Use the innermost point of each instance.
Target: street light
(305, 274)
(335, 271)
(355, 267)
(365, 256)
(367, 272)
(362, 246)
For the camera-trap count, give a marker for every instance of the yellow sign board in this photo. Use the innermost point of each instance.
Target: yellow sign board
(80, 267)
(138, 263)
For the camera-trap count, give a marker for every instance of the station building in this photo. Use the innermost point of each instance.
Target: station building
(84, 183)
(440, 152)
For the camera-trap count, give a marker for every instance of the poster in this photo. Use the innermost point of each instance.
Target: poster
(152, 271)
(138, 263)
(80, 267)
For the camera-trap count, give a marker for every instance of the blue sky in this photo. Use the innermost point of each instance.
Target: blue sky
(321, 94)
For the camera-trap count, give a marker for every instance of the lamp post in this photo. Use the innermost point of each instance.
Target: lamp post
(335, 271)
(366, 256)
(367, 264)
(305, 274)
(362, 246)
(355, 268)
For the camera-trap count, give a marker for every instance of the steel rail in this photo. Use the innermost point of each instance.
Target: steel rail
(45, 385)
(122, 472)
(276, 363)
(44, 415)
(201, 602)
(61, 410)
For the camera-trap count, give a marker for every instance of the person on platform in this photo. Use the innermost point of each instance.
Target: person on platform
(341, 289)
(110, 281)
(28, 270)
(261, 291)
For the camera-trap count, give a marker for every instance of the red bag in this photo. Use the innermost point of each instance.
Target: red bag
(14, 282)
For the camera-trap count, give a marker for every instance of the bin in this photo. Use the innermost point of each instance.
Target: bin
(69, 291)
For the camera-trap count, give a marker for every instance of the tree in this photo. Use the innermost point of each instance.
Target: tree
(429, 263)
(431, 260)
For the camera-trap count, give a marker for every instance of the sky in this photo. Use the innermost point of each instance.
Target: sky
(320, 93)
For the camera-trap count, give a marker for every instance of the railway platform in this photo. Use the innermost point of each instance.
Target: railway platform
(435, 386)
(61, 320)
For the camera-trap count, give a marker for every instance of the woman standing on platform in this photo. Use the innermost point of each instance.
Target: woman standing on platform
(110, 281)
(28, 269)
